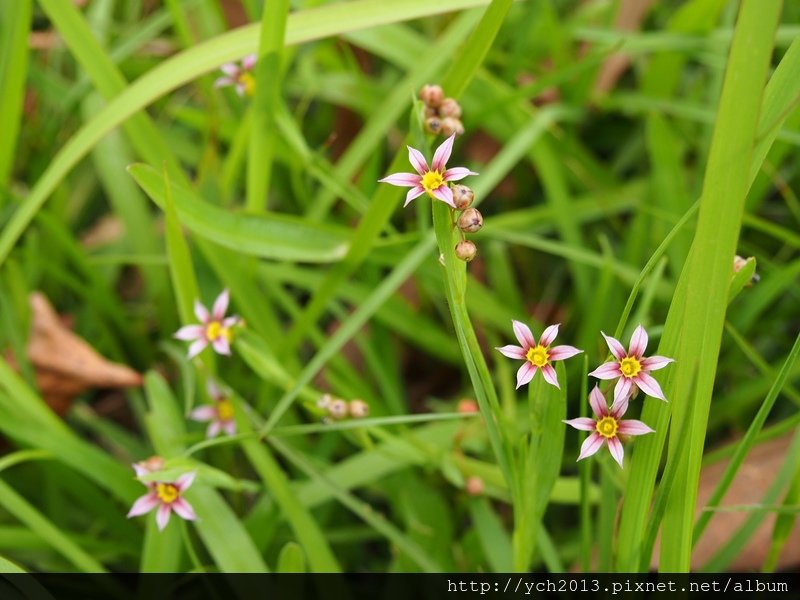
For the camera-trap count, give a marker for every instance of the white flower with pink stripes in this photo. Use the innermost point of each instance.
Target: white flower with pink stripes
(632, 367)
(432, 180)
(537, 356)
(607, 427)
(214, 328)
(168, 497)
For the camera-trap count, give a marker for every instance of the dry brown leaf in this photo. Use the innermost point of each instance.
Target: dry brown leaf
(65, 364)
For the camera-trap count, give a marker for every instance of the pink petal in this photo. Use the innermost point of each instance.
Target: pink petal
(616, 348)
(620, 406)
(563, 352)
(414, 192)
(402, 179)
(457, 173)
(190, 332)
(144, 504)
(442, 154)
(633, 427)
(185, 481)
(638, 342)
(229, 427)
(201, 312)
(616, 449)
(213, 389)
(598, 403)
(183, 509)
(549, 334)
(223, 82)
(230, 69)
(524, 335)
(512, 351)
(582, 423)
(609, 370)
(203, 413)
(550, 375)
(140, 470)
(213, 429)
(525, 374)
(445, 194)
(649, 386)
(196, 348)
(230, 321)
(221, 345)
(591, 445)
(240, 89)
(249, 61)
(622, 390)
(417, 160)
(221, 305)
(654, 363)
(162, 516)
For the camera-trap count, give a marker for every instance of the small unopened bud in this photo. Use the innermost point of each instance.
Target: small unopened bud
(324, 402)
(474, 485)
(433, 125)
(450, 108)
(432, 95)
(467, 406)
(358, 409)
(337, 409)
(466, 250)
(451, 125)
(739, 263)
(463, 196)
(470, 220)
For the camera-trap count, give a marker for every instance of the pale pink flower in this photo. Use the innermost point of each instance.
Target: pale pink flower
(215, 328)
(168, 498)
(219, 414)
(607, 428)
(433, 179)
(537, 356)
(632, 367)
(239, 76)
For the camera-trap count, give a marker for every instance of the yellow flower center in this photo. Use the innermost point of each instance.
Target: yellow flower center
(215, 329)
(607, 427)
(432, 180)
(538, 356)
(630, 366)
(224, 410)
(249, 82)
(167, 492)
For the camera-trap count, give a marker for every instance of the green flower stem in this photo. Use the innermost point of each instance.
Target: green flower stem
(455, 279)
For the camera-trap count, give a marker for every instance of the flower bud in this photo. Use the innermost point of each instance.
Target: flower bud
(451, 125)
(324, 402)
(467, 406)
(337, 408)
(358, 409)
(450, 108)
(433, 125)
(470, 220)
(474, 485)
(431, 95)
(466, 250)
(463, 196)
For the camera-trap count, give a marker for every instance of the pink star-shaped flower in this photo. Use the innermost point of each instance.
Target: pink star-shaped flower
(632, 367)
(219, 414)
(168, 498)
(240, 77)
(433, 179)
(607, 427)
(215, 328)
(537, 356)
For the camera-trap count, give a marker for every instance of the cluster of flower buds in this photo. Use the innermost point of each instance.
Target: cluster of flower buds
(338, 409)
(442, 115)
(469, 221)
